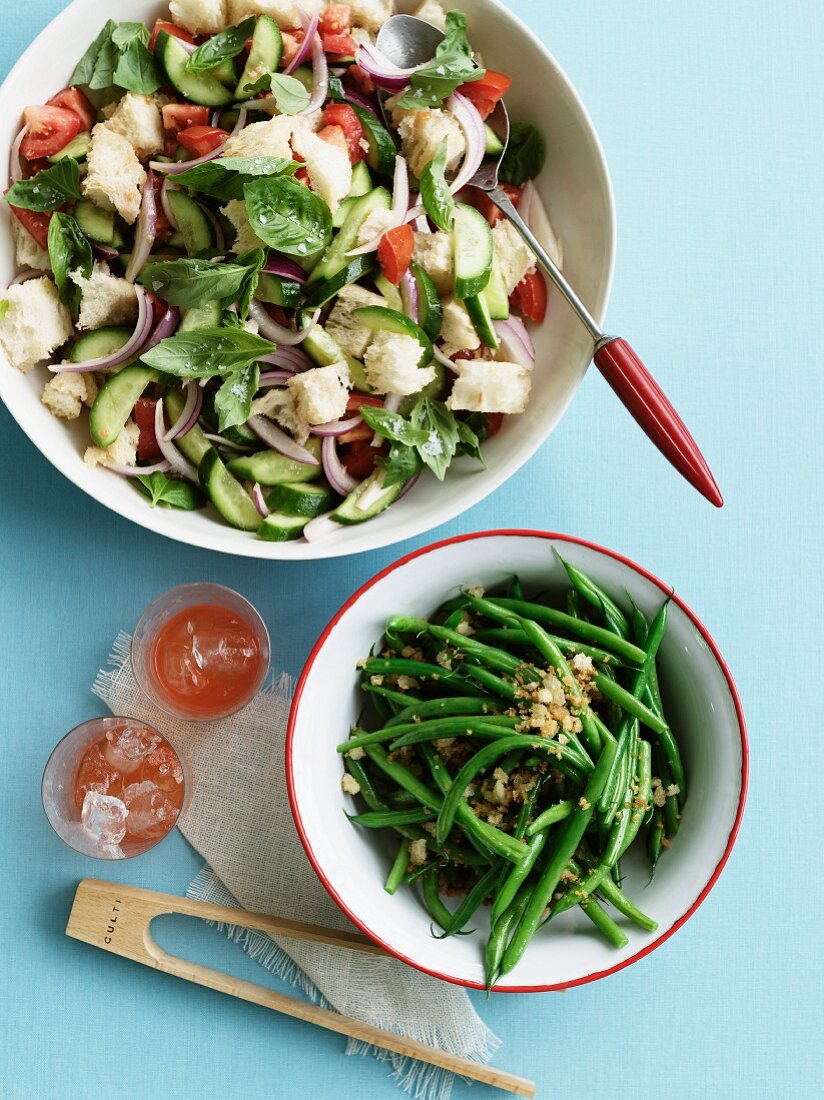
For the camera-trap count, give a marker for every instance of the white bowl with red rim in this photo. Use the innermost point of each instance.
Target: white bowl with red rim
(702, 706)
(576, 191)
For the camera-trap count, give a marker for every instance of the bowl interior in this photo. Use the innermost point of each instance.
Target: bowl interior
(353, 863)
(574, 185)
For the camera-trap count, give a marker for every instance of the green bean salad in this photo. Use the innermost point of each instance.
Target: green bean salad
(517, 751)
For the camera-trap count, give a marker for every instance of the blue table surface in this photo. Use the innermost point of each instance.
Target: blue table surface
(711, 117)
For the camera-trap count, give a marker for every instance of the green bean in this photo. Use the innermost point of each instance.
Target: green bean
(414, 873)
(476, 763)
(388, 819)
(618, 900)
(433, 729)
(502, 688)
(540, 613)
(655, 838)
(474, 898)
(516, 589)
(398, 869)
(400, 698)
(562, 851)
(551, 816)
(422, 670)
(518, 875)
(401, 799)
(643, 795)
(514, 636)
(474, 727)
(495, 658)
(604, 923)
(501, 931)
(404, 778)
(630, 704)
(614, 617)
(452, 704)
(622, 777)
(432, 900)
(364, 780)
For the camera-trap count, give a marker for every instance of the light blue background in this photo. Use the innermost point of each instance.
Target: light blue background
(711, 116)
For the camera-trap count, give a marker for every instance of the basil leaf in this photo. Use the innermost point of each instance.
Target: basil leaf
(401, 464)
(525, 154)
(48, 189)
(190, 282)
(468, 442)
(336, 91)
(69, 251)
(442, 435)
(290, 95)
(225, 177)
(288, 216)
(169, 491)
(104, 67)
(136, 71)
(253, 262)
(205, 352)
(221, 47)
(451, 66)
(392, 425)
(233, 401)
(84, 70)
(125, 33)
(435, 194)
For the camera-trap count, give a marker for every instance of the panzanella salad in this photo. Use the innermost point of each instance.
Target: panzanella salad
(248, 246)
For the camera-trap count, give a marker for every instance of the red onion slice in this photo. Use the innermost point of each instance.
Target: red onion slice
(142, 331)
(444, 360)
(516, 343)
(399, 212)
(179, 464)
(473, 127)
(291, 359)
(165, 327)
(104, 252)
(409, 296)
(258, 500)
(275, 378)
(392, 403)
(320, 78)
(15, 167)
(136, 471)
(287, 269)
(278, 334)
(335, 428)
(173, 168)
(188, 414)
(361, 100)
(310, 26)
(319, 527)
(383, 72)
(278, 439)
(26, 274)
(336, 474)
(146, 230)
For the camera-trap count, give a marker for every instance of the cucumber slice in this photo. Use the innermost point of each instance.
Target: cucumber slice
(357, 375)
(430, 310)
(304, 500)
(478, 311)
(325, 350)
(382, 149)
(278, 291)
(264, 56)
(472, 240)
(96, 224)
(226, 493)
(494, 145)
(336, 257)
(361, 181)
(209, 315)
(100, 343)
(272, 468)
(389, 291)
(278, 527)
(77, 148)
(115, 401)
(343, 211)
(202, 88)
(193, 225)
(368, 500)
(495, 293)
(390, 320)
(304, 74)
(194, 444)
(354, 270)
(225, 72)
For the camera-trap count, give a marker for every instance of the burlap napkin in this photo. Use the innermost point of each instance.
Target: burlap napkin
(239, 821)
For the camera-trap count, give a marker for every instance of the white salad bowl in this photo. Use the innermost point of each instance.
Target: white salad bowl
(575, 188)
(352, 863)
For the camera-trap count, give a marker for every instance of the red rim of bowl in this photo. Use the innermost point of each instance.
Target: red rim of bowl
(518, 533)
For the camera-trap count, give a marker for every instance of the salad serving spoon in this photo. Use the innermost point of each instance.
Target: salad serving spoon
(407, 41)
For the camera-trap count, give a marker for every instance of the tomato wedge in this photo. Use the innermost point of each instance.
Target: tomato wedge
(395, 252)
(336, 19)
(341, 114)
(493, 424)
(292, 41)
(148, 449)
(172, 29)
(486, 92)
(72, 99)
(50, 130)
(37, 224)
(361, 79)
(339, 45)
(487, 207)
(357, 399)
(201, 140)
(335, 136)
(359, 458)
(529, 297)
(180, 116)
